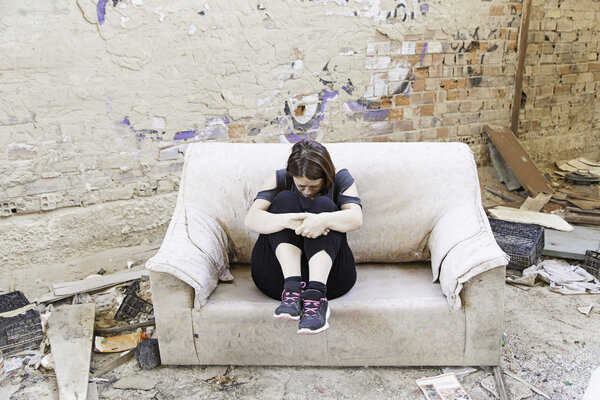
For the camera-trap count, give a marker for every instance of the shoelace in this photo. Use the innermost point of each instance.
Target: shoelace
(290, 297)
(312, 310)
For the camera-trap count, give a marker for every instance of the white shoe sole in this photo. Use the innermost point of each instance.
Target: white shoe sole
(306, 331)
(287, 316)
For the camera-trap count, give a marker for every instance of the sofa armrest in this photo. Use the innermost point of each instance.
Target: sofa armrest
(483, 301)
(173, 300)
(462, 246)
(455, 226)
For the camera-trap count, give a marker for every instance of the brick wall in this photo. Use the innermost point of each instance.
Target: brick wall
(101, 98)
(560, 113)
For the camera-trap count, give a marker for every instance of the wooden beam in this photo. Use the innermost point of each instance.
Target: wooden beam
(523, 34)
(97, 282)
(518, 160)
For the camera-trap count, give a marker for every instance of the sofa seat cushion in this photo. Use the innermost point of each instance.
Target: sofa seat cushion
(388, 318)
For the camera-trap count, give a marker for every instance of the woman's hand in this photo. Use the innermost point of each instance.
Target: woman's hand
(313, 226)
(293, 220)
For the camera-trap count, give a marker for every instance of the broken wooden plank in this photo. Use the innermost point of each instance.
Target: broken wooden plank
(582, 219)
(70, 330)
(584, 204)
(49, 298)
(577, 210)
(576, 195)
(537, 203)
(589, 162)
(121, 359)
(501, 387)
(97, 282)
(505, 175)
(571, 244)
(530, 217)
(119, 329)
(518, 160)
(504, 196)
(582, 167)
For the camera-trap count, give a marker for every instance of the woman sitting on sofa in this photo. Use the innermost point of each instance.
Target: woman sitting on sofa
(302, 214)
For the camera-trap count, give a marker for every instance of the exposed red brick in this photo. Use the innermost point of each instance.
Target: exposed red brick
(497, 10)
(426, 110)
(237, 131)
(386, 102)
(421, 73)
(419, 85)
(402, 100)
(396, 114)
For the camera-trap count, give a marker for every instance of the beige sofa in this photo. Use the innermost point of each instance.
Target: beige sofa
(430, 275)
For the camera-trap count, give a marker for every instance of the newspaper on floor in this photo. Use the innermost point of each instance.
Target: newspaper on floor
(443, 387)
(562, 277)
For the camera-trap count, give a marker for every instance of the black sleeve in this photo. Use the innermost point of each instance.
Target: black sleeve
(269, 195)
(343, 180)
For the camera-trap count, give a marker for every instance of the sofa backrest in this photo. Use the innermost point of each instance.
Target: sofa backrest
(405, 188)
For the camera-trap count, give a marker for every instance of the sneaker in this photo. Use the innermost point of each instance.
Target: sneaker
(315, 313)
(290, 307)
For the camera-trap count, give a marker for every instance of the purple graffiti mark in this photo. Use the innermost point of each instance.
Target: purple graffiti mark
(361, 109)
(186, 135)
(348, 88)
(298, 131)
(423, 52)
(224, 119)
(101, 10)
(139, 133)
(375, 115)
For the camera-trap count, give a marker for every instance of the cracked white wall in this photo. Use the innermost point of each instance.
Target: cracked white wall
(100, 97)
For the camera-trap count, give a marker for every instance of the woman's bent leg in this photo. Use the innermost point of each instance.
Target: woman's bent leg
(329, 257)
(277, 256)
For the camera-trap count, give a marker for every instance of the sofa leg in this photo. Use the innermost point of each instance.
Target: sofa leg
(500, 383)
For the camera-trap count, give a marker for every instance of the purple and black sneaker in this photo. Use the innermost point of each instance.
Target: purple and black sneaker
(290, 307)
(315, 313)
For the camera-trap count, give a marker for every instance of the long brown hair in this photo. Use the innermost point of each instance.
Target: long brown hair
(311, 160)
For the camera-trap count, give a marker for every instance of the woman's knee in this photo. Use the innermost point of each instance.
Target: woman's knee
(322, 204)
(284, 202)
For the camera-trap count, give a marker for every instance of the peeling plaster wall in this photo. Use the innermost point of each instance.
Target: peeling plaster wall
(101, 97)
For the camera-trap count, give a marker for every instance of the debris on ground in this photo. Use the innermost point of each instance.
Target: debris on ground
(516, 390)
(70, 331)
(585, 310)
(530, 217)
(442, 387)
(135, 382)
(148, 354)
(517, 159)
(563, 277)
(120, 343)
(120, 360)
(212, 372)
(571, 245)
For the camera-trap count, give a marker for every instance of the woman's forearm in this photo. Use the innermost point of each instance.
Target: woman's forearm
(264, 222)
(344, 220)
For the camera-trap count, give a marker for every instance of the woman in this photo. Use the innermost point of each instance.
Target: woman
(302, 214)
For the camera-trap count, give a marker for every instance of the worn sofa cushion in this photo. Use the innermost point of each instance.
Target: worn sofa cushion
(389, 312)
